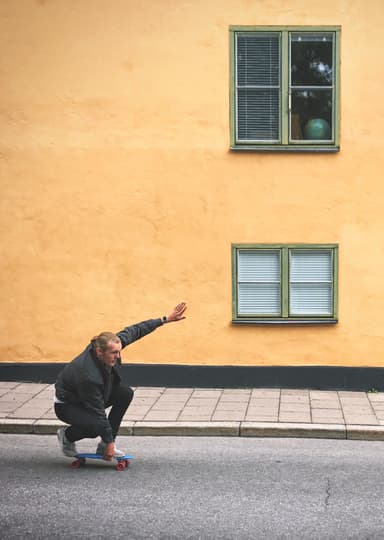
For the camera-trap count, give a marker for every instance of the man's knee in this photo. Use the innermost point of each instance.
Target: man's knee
(126, 394)
(121, 395)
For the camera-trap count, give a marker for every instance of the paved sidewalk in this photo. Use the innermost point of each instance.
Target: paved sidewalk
(258, 412)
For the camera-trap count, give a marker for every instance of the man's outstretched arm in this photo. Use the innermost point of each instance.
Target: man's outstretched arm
(139, 330)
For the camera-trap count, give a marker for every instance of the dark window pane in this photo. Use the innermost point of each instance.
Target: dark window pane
(312, 59)
(311, 115)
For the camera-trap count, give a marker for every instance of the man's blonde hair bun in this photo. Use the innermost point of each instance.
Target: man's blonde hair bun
(102, 340)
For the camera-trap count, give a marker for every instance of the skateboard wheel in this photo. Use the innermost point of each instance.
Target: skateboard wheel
(126, 463)
(78, 463)
(120, 466)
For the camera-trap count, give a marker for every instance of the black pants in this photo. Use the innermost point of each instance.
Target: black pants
(83, 423)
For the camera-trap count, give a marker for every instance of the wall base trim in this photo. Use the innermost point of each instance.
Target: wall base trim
(203, 376)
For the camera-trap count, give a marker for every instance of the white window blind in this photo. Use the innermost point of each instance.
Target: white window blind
(259, 278)
(258, 86)
(310, 282)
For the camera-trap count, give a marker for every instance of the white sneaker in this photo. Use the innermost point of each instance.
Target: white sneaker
(68, 448)
(101, 449)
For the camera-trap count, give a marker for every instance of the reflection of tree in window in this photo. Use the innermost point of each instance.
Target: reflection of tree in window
(311, 63)
(311, 83)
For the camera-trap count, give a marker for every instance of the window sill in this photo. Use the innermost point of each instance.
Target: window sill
(312, 149)
(291, 322)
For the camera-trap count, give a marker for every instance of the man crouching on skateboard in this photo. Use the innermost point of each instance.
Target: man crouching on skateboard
(91, 383)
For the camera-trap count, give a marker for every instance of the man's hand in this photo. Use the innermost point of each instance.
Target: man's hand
(177, 313)
(109, 451)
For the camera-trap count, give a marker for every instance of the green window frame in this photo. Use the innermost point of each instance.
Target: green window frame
(285, 88)
(284, 283)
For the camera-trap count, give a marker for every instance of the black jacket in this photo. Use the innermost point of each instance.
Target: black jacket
(88, 381)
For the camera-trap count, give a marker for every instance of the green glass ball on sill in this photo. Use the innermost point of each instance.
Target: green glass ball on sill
(317, 129)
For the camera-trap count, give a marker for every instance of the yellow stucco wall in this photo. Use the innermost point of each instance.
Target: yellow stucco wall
(120, 197)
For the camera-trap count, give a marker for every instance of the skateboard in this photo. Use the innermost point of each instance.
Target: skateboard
(121, 462)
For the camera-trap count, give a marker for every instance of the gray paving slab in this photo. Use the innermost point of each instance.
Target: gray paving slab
(19, 397)
(232, 407)
(178, 390)
(294, 407)
(200, 405)
(168, 406)
(144, 400)
(50, 415)
(241, 398)
(262, 402)
(355, 402)
(265, 393)
(349, 394)
(173, 398)
(294, 392)
(6, 384)
(194, 418)
(148, 392)
(325, 404)
(361, 411)
(28, 413)
(196, 413)
(290, 398)
(206, 394)
(323, 394)
(134, 417)
(261, 418)
(204, 398)
(294, 417)
(378, 406)
(368, 420)
(204, 410)
(376, 397)
(138, 409)
(33, 388)
(264, 408)
(9, 406)
(162, 415)
(327, 420)
(227, 415)
(326, 413)
(237, 391)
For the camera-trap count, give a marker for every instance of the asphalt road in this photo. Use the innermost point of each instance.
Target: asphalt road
(194, 488)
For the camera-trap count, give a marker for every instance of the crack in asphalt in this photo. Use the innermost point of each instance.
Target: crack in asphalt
(328, 493)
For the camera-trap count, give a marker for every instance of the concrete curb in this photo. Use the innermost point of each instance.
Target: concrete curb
(46, 427)
(197, 429)
(278, 429)
(8, 425)
(365, 433)
(212, 429)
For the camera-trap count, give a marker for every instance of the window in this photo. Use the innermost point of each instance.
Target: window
(285, 88)
(284, 283)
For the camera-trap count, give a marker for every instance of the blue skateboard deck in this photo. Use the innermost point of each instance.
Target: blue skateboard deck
(121, 462)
